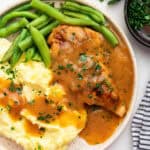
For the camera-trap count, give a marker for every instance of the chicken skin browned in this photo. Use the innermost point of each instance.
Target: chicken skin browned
(78, 67)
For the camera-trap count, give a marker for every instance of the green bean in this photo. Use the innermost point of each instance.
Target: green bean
(109, 35)
(42, 46)
(19, 8)
(50, 11)
(77, 15)
(30, 53)
(38, 21)
(23, 7)
(36, 57)
(93, 13)
(16, 51)
(44, 24)
(27, 43)
(53, 12)
(9, 53)
(13, 15)
(15, 57)
(12, 28)
(100, 28)
(45, 31)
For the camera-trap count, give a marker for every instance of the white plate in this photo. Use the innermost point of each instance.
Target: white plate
(78, 143)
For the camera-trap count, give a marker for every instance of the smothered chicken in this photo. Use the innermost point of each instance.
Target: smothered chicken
(78, 67)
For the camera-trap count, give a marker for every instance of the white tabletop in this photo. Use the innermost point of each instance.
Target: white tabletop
(116, 12)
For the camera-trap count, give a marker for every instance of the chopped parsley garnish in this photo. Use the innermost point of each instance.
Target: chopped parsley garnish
(78, 85)
(108, 84)
(49, 101)
(79, 117)
(19, 90)
(70, 104)
(139, 13)
(98, 85)
(12, 128)
(80, 77)
(31, 102)
(95, 107)
(98, 67)
(11, 72)
(2, 68)
(42, 129)
(83, 57)
(99, 88)
(59, 108)
(73, 36)
(8, 107)
(61, 67)
(84, 68)
(5, 94)
(70, 67)
(39, 92)
(39, 147)
(89, 85)
(12, 87)
(90, 96)
(59, 73)
(44, 117)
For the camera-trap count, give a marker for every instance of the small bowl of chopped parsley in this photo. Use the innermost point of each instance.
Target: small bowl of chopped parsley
(137, 16)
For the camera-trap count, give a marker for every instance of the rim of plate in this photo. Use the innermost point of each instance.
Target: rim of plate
(128, 116)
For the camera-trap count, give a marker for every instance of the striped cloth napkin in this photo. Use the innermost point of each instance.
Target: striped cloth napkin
(141, 123)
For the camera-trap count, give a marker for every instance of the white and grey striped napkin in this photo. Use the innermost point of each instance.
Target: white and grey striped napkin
(141, 123)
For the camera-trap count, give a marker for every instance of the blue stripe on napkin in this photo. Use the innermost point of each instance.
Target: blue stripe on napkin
(141, 123)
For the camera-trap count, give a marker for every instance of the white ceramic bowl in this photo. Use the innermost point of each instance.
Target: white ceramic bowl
(78, 143)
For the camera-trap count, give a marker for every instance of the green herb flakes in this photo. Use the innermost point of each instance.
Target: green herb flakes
(61, 67)
(83, 57)
(80, 77)
(12, 128)
(59, 108)
(8, 107)
(98, 67)
(139, 13)
(31, 102)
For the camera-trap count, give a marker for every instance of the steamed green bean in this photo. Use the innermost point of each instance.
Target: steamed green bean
(10, 51)
(77, 15)
(44, 24)
(42, 46)
(38, 21)
(27, 43)
(30, 53)
(93, 13)
(16, 51)
(52, 12)
(12, 28)
(26, 6)
(13, 15)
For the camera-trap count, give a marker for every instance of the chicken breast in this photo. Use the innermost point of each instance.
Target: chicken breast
(78, 67)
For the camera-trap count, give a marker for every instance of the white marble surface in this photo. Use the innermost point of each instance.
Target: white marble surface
(124, 142)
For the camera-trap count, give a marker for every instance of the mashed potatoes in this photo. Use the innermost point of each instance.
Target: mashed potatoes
(30, 130)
